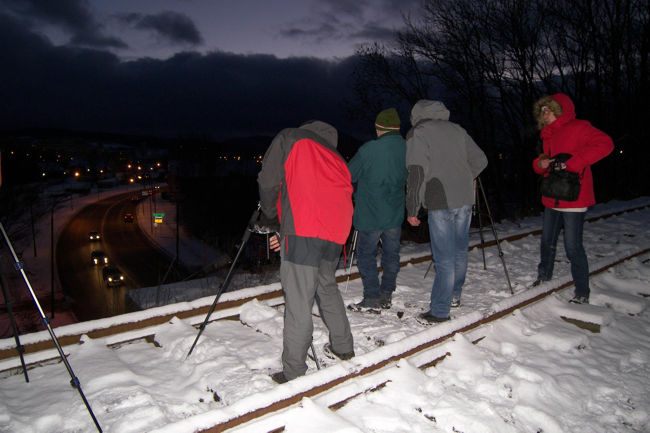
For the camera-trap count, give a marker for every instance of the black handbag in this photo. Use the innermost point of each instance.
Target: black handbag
(559, 183)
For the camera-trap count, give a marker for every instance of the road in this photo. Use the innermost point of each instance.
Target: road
(126, 246)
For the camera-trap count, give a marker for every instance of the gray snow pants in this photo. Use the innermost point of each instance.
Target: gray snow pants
(307, 273)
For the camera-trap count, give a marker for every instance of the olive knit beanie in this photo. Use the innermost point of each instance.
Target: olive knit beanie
(387, 120)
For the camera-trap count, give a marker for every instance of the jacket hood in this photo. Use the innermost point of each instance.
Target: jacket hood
(561, 105)
(324, 130)
(425, 109)
(568, 109)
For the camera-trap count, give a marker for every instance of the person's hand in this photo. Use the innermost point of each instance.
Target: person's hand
(414, 221)
(543, 163)
(274, 242)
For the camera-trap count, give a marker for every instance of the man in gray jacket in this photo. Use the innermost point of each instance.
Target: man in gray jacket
(442, 161)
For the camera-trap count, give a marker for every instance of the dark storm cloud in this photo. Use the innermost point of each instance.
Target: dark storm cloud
(71, 15)
(325, 30)
(173, 26)
(359, 21)
(218, 94)
(375, 32)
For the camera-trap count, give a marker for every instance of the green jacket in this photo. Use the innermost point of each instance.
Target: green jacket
(379, 172)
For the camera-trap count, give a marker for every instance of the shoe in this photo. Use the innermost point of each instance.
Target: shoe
(385, 300)
(279, 377)
(429, 318)
(455, 303)
(579, 300)
(367, 305)
(330, 353)
(537, 282)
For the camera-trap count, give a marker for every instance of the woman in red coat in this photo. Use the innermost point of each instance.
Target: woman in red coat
(561, 132)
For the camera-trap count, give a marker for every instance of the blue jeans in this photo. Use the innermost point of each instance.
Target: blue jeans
(573, 223)
(449, 233)
(367, 260)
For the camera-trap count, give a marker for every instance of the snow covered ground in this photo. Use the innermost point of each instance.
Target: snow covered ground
(533, 371)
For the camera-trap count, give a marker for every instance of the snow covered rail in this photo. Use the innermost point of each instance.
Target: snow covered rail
(341, 382)
(122, 329)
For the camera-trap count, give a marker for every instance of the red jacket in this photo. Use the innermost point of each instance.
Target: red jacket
(584, 142)
(305, 183)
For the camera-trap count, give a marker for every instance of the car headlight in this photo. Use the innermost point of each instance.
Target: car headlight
(110, 279)
(121, 277)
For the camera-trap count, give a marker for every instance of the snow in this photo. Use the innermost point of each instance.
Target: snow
(531, 371)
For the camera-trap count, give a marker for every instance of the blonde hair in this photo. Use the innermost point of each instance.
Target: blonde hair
(548, 102)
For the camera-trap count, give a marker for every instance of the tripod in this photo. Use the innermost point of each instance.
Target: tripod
(74, 380)
(476, 210)
(226, 281)
(250, 228)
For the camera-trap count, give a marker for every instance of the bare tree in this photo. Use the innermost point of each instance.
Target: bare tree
(494, 58)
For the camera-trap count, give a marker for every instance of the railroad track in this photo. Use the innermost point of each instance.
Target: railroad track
(38, 347)
(420, 349)
(422, 346)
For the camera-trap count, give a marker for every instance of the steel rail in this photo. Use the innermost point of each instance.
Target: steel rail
(199, 312)
(238, 420)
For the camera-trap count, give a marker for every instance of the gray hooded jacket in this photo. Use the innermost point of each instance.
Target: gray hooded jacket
(442, 160)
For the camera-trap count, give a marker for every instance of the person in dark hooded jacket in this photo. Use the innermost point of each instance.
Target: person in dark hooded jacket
(561, 132)
(306, 192)
(442, 161)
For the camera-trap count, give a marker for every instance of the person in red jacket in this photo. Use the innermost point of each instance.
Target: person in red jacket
(306, 191)
(561, 132)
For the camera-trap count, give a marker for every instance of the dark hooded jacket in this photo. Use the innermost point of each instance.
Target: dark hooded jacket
(442, 160)
(579, 138)
(305, 184)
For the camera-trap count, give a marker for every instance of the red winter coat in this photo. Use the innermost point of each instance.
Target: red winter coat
(305, 183)
(584, 142)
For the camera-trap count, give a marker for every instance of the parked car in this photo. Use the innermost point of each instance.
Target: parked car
(112, 276)
(94, 236)
(99, 257)
(128, 218)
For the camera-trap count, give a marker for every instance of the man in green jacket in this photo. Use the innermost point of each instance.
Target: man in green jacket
(379, 172)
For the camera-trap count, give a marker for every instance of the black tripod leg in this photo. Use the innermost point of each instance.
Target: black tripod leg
(429, 268)
(226, 281)
(494, 232)
(313, 351)
(353, 249)
(479, 214)
(19, 347)
(75, 381)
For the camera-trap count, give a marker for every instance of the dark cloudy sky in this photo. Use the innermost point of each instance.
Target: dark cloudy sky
(180, 67)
